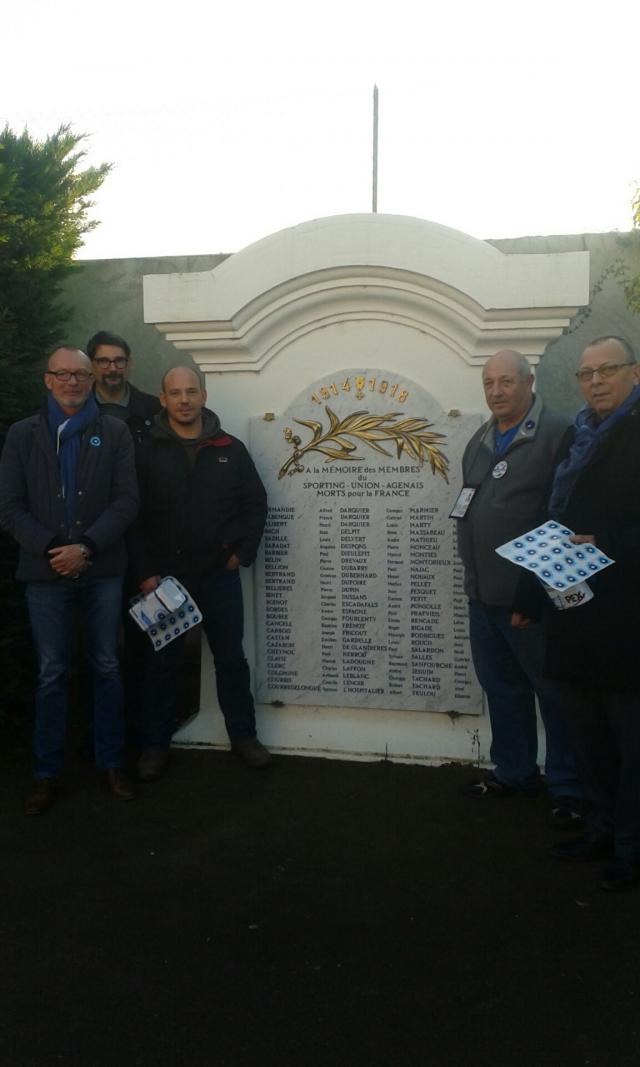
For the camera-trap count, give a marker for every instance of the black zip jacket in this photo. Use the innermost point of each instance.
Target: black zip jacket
(195, 514)
(140, 413)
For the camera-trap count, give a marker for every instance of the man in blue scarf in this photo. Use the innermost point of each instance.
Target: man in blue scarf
(68, 492)
(593, 648)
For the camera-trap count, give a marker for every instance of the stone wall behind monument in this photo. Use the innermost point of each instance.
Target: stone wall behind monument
(107, 294)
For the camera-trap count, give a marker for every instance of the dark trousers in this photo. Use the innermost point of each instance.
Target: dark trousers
(605, 730)
(219, 597)
(509, 663)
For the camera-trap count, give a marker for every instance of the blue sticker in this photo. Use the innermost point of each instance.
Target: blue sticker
(95, 441)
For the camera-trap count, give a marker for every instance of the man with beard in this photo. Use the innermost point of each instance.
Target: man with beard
(111, 364)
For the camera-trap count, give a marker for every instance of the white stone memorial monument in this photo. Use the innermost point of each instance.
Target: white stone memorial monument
(346, 353)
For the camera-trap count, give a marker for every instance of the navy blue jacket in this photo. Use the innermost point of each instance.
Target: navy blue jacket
(31, 503)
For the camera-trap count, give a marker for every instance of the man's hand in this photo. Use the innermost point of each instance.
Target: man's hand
(232, 563)
(583, 539)
(68, 560)
(519, 621)
(149, 585)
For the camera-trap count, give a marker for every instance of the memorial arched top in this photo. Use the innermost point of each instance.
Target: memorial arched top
(461, 290)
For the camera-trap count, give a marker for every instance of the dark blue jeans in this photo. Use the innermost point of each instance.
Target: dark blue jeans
(509, 664)
(53, 607)
(219, 597)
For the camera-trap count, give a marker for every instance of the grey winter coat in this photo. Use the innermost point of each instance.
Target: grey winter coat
(504, 507)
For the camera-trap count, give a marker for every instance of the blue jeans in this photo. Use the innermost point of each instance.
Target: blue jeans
(52, 613)
(219, 597)
(508, 663)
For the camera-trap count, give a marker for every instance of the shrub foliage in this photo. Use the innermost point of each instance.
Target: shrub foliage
(45, 198)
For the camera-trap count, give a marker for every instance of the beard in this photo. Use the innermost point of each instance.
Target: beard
(113, 383)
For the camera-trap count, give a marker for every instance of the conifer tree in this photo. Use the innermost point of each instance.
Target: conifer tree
(45, 199)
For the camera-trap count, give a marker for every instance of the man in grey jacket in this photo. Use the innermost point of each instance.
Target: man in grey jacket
(506, 469)
(68, 492)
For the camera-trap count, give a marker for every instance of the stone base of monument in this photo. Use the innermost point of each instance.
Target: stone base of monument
(357, 734)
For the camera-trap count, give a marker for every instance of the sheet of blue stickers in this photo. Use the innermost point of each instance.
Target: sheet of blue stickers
(166, 613)
(548, 552)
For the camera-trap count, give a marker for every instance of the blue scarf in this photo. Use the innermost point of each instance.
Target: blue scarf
(67, 441)
(588, 437)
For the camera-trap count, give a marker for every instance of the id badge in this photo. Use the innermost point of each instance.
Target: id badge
(462, 504)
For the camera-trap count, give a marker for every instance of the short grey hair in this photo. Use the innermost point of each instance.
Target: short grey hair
(521, 364)
(624, 344)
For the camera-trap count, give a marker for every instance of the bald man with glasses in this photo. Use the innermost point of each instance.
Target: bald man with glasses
(593, 649)
(68, 492)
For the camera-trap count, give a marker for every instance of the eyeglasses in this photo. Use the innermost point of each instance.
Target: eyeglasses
(119, 362)
(67, 375)
(605, 370)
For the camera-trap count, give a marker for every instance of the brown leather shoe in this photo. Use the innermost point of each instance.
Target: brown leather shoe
(42, 797)
(152, 763)
(252, 752)
(119, 784)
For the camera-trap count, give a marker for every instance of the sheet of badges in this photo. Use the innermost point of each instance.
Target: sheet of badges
(548, 552)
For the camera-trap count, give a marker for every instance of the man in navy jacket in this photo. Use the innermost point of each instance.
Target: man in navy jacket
(203, 509)
(68, 492)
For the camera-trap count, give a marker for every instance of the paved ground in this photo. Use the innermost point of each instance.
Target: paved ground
(319, 913)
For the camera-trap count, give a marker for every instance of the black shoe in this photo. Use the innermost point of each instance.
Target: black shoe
(490, 787)
(620, 874)
(42, 797)
(152, 763)
(583, 848)
(118, 783)
(567, 813)
(251, 752)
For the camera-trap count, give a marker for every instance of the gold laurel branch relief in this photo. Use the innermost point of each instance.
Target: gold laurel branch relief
(409, 435)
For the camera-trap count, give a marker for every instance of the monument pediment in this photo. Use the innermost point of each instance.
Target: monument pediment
(348, 268)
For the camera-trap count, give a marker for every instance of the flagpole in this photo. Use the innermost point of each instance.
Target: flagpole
(374, 199)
